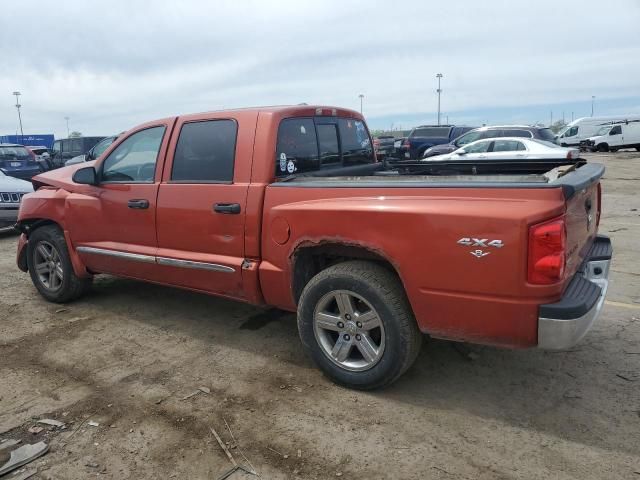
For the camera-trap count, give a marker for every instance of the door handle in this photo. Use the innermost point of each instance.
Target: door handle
(227, 208)
(139, 204)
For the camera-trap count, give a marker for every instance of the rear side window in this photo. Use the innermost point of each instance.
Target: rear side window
(205, 152)
(76, 145)
(546, 134)
(297, 147)
(507, 146)
(518, 133)
(356, 145)
(430, 132)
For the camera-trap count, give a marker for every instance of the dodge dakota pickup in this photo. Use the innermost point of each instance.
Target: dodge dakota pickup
(289, 207)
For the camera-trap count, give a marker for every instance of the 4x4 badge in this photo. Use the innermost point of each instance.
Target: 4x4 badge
(480, 242)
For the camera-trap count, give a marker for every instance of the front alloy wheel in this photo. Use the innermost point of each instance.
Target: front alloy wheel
(48, 266)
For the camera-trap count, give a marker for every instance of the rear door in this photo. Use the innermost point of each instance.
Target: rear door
(202, 203)
(504, 149)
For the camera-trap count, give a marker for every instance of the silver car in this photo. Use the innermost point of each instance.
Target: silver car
(508, 148)
(11, 192)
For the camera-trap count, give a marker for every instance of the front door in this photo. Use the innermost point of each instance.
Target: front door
(615, 136)
(202, 203)
(114, 222)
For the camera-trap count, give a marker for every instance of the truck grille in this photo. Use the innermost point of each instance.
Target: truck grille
(8, 197)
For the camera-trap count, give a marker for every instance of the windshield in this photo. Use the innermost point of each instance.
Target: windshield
(101, 147)
(431, 132)
(603, 130)
(468, 138)
(19, 153)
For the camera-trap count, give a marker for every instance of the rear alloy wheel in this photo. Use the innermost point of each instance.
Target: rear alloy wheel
(356, 323)
(50, 266)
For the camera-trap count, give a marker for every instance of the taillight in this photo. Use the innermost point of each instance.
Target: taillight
(547, 245)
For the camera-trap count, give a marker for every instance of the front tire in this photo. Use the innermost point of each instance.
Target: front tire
(50, 266)
(603, 147)
(356, 323)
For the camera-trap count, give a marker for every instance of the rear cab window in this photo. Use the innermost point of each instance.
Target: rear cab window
(430, 132)
(546, 134)
(307, 144)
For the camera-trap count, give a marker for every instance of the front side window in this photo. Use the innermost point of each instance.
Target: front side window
(134, 160)
(603, 130)
(57, 146)
(617, 130)
(572, 132)
(356, 144)
(478, 147)
(205, 152)
(468, 138)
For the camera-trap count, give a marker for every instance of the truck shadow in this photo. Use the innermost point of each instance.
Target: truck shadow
(572, 395)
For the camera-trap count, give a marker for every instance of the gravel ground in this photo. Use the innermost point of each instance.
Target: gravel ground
(127, 355)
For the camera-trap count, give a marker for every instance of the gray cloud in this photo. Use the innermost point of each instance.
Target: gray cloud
(110, 65)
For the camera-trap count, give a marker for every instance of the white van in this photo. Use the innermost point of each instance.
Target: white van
(583, 128)
(616, 136)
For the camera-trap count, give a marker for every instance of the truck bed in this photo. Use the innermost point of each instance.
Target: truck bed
(571, 180)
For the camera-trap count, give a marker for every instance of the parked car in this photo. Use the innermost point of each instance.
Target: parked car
(426, 136)
(11, 192)
(384, 145)
(97, 150)
(67, 148)
(43, 157)
(288, 207)
(18, 161)
(509, 148)
(614, 137)
(583, 128)
(541, 133)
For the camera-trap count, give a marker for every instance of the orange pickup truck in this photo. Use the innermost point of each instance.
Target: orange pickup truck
(289, 207)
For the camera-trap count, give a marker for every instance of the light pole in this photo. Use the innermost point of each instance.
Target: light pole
(17, 94)
(67, 119)
(361, 96)
(439, 76)
(593, 98)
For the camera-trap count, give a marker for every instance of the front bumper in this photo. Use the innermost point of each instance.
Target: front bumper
(563, 324)
(8, 217)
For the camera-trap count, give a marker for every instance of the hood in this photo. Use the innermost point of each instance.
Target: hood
(61, 177)
(14, 185)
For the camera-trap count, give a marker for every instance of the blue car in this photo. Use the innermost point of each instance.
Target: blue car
(17, 161)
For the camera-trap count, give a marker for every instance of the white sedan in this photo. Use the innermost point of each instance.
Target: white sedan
(508, 148)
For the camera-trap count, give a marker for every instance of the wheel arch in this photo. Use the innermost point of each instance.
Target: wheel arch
(310, 258)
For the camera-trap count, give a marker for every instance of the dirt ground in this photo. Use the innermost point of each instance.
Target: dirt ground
(126, 355)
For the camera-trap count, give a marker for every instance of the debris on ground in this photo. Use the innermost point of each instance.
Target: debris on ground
(91, 423)
(36, 430)
(204, 390)
(8, 443)
(629, 376)
(62, 310)
(23, 455)
(50, 421)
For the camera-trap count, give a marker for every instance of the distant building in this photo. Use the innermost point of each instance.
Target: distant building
(44, 139)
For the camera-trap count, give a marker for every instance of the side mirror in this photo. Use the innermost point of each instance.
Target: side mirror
(462, 151)
(86, 176)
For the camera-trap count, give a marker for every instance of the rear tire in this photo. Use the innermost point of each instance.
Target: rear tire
(50, 266)
(366, 354)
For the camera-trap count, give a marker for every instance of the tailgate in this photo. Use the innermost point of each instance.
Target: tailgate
(582, 218)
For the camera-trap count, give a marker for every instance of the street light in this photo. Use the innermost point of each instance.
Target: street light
(17, 94)
(593, 97)
(67, 119)
(439, 76)
(361, 96)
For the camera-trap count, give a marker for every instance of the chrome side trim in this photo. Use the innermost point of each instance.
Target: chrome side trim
(136, 257)
(171, 262)
(174, 262)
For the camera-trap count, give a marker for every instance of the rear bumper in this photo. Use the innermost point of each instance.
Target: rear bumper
(563, 324)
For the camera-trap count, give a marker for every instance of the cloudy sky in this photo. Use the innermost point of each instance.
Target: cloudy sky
(111, 65)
